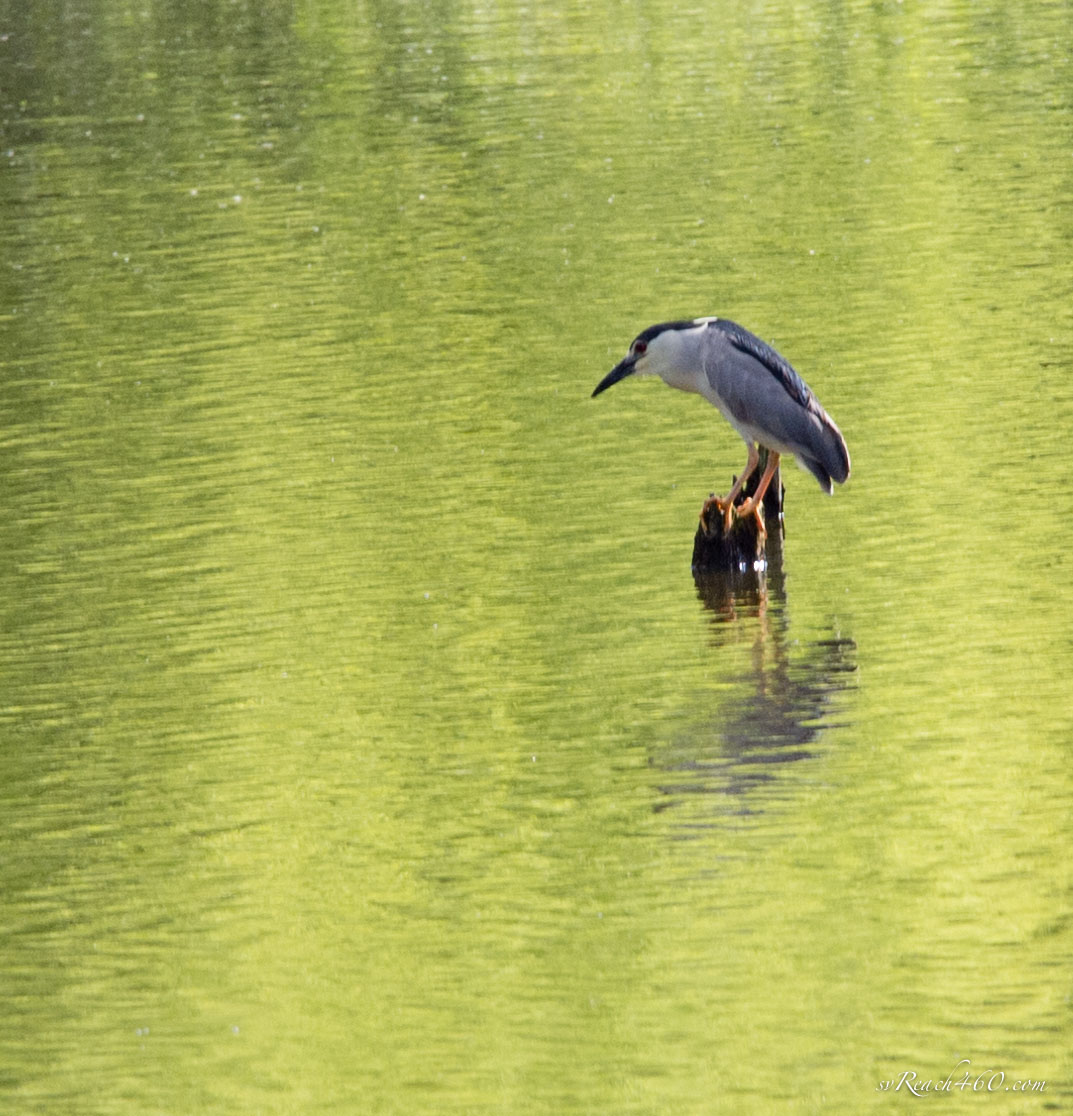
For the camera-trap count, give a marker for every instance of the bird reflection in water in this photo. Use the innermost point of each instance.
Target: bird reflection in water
(776, 711)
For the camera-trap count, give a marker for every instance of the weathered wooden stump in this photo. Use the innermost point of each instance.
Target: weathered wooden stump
(739, 551)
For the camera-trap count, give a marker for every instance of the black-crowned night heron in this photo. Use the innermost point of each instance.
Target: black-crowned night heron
(755, 390)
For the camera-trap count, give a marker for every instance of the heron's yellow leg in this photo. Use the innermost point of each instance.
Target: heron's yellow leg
(725, 504)
(752, 505)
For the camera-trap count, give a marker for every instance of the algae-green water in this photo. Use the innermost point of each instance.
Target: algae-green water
(366, 745)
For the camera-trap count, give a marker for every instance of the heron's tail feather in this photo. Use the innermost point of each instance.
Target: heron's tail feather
(829, 458)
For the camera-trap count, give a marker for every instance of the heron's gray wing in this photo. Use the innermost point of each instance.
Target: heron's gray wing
(792, 414)
(774, 362)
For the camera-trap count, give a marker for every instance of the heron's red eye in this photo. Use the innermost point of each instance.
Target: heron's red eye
(639, 348)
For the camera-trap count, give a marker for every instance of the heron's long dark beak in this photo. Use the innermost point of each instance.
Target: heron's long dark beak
(619, 372)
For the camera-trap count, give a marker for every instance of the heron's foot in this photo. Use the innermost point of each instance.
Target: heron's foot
(730, 512)
(752, 507)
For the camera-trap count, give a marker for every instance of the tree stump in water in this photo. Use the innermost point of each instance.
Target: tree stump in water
(739, 549)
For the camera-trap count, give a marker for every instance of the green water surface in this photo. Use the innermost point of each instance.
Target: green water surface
(366, 745)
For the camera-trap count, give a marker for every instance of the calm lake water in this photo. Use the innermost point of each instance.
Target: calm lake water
(367, 744)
